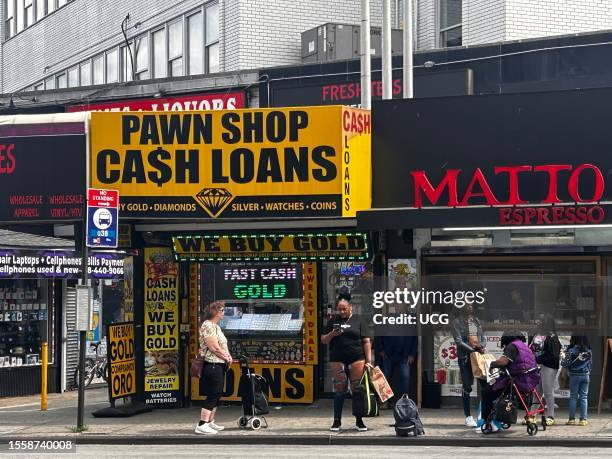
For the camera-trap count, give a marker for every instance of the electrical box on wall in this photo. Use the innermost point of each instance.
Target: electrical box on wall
(333, 42)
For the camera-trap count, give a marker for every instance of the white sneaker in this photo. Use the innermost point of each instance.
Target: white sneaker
(205, 429)
(217, 427)
(469, 422)
(494, 428)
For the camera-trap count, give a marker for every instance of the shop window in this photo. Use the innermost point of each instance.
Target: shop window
(61, 81)
(196, 44)
(112, 75)
(175, 48)
(39, 86)
(40, 9)
(29, 13)
(212, 39)
(50, 83)
(264, 310)
(26, 320)
(20, 16)
(50, 6)
(61, 3)
(450, 23)
(521, 293)
(159, 54)
(126, 64)
(142, 57)
(359, 278)
(98, 69)
(10, 18)
(85, 73)
(73, 77)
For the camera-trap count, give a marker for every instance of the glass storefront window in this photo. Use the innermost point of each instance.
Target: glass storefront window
(26, 319)
(359, 278)
(264, 309)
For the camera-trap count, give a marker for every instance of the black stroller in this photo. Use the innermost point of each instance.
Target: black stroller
(253, 390)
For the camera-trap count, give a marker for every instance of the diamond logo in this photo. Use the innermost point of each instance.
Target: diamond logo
(214, 200)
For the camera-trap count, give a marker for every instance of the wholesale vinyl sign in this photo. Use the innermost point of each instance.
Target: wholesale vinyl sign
(302, 162)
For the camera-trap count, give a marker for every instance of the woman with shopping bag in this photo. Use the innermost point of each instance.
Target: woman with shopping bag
(350, 350)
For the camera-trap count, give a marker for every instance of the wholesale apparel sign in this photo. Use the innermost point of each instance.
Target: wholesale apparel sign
(42, 172)
(121, 360)
(161, 330)
(275, 163)
(265, 247)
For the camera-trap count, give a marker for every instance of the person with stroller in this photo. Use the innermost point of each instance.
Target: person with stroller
(468, 336)
(519, 364)
(214, 351)
(547, 352)
(578, 360)
(350, 350)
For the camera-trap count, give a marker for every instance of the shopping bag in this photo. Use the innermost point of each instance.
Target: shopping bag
(364, 399)
(380, 384)
(478, 362)
(195, 370)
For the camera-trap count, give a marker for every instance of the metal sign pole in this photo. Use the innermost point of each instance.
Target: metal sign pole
(82, 344)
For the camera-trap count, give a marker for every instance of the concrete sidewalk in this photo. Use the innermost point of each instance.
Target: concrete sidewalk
(20, 418)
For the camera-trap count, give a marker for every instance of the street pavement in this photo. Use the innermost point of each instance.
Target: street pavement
(20, 418)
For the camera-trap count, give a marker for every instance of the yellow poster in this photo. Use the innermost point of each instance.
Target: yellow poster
(128, 289)
(281, 162)
(311, 340)
(122, 379)
(288, 383)
(161, 333)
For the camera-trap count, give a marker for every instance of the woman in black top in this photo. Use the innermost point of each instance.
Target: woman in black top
(349, 351)
(548, 358)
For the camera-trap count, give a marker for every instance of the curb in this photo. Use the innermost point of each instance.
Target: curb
(85, 439)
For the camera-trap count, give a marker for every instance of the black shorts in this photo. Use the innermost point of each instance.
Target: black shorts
(212, 379)
(346, 359)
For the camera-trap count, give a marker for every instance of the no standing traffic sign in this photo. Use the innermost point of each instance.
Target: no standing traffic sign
(102, 218)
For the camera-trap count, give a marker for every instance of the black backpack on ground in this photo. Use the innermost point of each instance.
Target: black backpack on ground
(407, 420)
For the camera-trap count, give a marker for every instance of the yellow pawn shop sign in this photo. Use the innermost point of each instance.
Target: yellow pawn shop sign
(275, 163)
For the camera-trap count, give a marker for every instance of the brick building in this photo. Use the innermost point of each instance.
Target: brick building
(55, 44)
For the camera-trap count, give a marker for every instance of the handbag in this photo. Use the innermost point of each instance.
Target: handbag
(364, 399)
(195, 370)
(380, 384)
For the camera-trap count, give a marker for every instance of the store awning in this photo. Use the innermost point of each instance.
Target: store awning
(439, 217)
(13, 239)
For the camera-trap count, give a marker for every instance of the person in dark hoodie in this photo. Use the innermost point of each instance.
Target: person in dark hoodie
(397, 352)
(547, 356)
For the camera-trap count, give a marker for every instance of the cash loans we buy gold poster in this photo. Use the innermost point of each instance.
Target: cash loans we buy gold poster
(161, 333)
(273, 163)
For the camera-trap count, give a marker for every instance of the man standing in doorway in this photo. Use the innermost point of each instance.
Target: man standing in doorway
(397, 352)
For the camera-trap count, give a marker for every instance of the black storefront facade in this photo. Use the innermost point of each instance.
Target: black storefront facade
(544, 64)
(507, 195)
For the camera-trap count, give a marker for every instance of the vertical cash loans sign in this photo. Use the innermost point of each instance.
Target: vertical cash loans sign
(161, 327)
(302, 162)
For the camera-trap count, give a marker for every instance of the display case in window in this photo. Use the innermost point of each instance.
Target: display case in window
(264, 310)
(25, 321)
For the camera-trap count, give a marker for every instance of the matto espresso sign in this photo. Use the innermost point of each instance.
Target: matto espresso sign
(303, 162)
(264, 247)
(508, 161)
